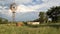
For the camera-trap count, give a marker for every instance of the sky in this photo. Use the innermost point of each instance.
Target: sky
(27, 10)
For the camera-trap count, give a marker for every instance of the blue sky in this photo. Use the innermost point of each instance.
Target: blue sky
(27, 9)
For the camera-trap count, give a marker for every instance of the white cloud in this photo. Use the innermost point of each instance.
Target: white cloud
(30, 8)
(46, 4)
(23, 1)
(22, 8)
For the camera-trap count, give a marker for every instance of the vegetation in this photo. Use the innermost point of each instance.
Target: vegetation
(42, 18)
(13, 29)
(45, 28)
(54, 13)
(3, 21)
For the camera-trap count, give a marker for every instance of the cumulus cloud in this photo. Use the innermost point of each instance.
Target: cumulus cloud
(26, 6)
(23, 1)
(22, 8)
(45, 5)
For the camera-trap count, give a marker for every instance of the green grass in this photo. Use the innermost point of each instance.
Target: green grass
(13, 29)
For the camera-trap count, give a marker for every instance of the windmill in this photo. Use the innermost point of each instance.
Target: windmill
(13, 8)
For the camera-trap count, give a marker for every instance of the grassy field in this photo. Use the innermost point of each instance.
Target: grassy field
(13, 29)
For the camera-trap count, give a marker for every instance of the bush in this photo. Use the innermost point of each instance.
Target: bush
(3, 21)
(25, 23)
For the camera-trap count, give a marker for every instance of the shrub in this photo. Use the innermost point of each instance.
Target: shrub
(3, 21)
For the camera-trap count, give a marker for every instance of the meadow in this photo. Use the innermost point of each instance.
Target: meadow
(13, 29)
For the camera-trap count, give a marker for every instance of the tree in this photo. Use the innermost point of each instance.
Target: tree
(0, 19)
(42, 17)
(54, 13)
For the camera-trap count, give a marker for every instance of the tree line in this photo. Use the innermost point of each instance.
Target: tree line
(53, 13)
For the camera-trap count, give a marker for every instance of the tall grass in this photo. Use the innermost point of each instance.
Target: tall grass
(13, 29)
